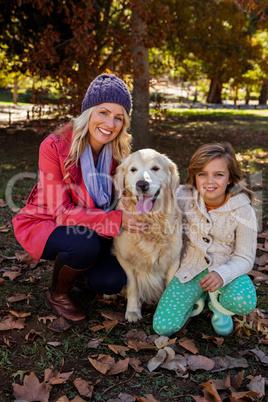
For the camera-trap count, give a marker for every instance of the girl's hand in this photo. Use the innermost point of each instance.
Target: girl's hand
(211, 282)
(131, 223)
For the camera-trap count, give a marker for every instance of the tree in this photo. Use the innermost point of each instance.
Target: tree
(218, 34)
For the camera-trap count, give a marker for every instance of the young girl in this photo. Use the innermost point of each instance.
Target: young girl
(220, 242)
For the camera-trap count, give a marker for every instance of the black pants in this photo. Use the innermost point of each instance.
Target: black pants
(81, 247)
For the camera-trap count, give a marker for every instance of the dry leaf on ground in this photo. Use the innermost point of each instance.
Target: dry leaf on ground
(148, 398)
(257, 384)
(189, 345)
(59, 325)
(123, 397)
(32, 390)
(94, 343)
(54, 377)
(106, 365)
(85, 388)
(112, 315)
(262, 357)
(19, 313)
(32, 335)
(199, 362)
(119, 349)
(11, 275)
(215, 339)
(163, 341)
(210, 387)
(18, 297)
(51, 318)
(10, 322)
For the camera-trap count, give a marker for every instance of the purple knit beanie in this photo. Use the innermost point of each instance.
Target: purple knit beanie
(107, 88)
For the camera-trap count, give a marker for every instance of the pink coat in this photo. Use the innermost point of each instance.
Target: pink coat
(55, 201)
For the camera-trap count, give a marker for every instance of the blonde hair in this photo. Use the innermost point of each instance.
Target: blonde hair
(121, 144)
(208, 152)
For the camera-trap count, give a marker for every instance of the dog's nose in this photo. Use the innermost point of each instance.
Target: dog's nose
(142, 186)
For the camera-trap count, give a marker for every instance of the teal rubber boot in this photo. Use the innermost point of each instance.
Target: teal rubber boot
(222, 324)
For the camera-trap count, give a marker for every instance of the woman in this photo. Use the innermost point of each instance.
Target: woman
(68, 216)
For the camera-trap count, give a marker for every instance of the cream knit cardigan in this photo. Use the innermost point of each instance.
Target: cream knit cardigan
(223, 240)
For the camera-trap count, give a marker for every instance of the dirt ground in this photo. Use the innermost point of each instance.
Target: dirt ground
(21, 353)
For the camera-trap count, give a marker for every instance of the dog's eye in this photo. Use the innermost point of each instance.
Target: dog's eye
(133, 169)
(155, 168)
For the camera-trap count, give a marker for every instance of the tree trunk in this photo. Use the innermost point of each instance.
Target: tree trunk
(264, 93)
(247, 97)
(214, 95)
(15, 91)
(140, 113)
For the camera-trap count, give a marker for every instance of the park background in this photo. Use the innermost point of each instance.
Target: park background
(198, 73)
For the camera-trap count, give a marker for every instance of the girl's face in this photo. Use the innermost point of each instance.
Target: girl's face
(105, 123)
(211, 182)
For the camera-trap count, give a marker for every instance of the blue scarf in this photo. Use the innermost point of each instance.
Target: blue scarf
(97, 179)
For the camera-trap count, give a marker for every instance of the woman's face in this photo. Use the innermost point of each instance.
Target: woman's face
(105, 123)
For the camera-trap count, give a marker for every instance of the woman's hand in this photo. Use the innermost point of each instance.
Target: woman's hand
(131, 223)
(211, 282)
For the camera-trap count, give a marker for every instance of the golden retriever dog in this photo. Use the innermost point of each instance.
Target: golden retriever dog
(148, 181)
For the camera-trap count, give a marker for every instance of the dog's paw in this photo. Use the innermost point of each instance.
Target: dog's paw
(133, 316)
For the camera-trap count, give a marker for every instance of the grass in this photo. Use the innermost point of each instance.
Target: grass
(178, 135)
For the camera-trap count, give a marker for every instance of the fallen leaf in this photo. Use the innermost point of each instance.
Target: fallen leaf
(163, 341)
(108, 325)
(257, 384)
(258, 276)
(65, 399)
(84, 388)
(17, 298)
(25, 257)
(120, 367)
(19, 313)
(210, 387)
(215, 339)
(94, 343)
(135, 364)
(4, 229)
(237, 380)
(199, 362)
(134, 334)
(54, 377)
(59, 325)
(55, 344)
(102, 364)
(148, 398)
(238, 396)
(32, 390)
(11, 275)
(260, 355)
(137, 345)
(32, 335)
(119, 349)
(10, 322)
(237, 362)
(189, 345)
(112, 315)
(96, 328)
(262, 260)
(51, 318)
(157, 360)
(178, 364)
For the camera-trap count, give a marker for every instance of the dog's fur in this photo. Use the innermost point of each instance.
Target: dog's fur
(150, 259)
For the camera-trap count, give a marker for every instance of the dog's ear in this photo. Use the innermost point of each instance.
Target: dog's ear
(174, 179)
(119, 179)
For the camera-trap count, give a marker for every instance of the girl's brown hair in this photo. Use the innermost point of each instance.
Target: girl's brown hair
(206, 153)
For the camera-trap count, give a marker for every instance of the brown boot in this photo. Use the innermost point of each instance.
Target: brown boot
(58, 297)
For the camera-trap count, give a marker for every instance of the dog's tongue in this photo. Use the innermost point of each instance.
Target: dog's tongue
(144, 205)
